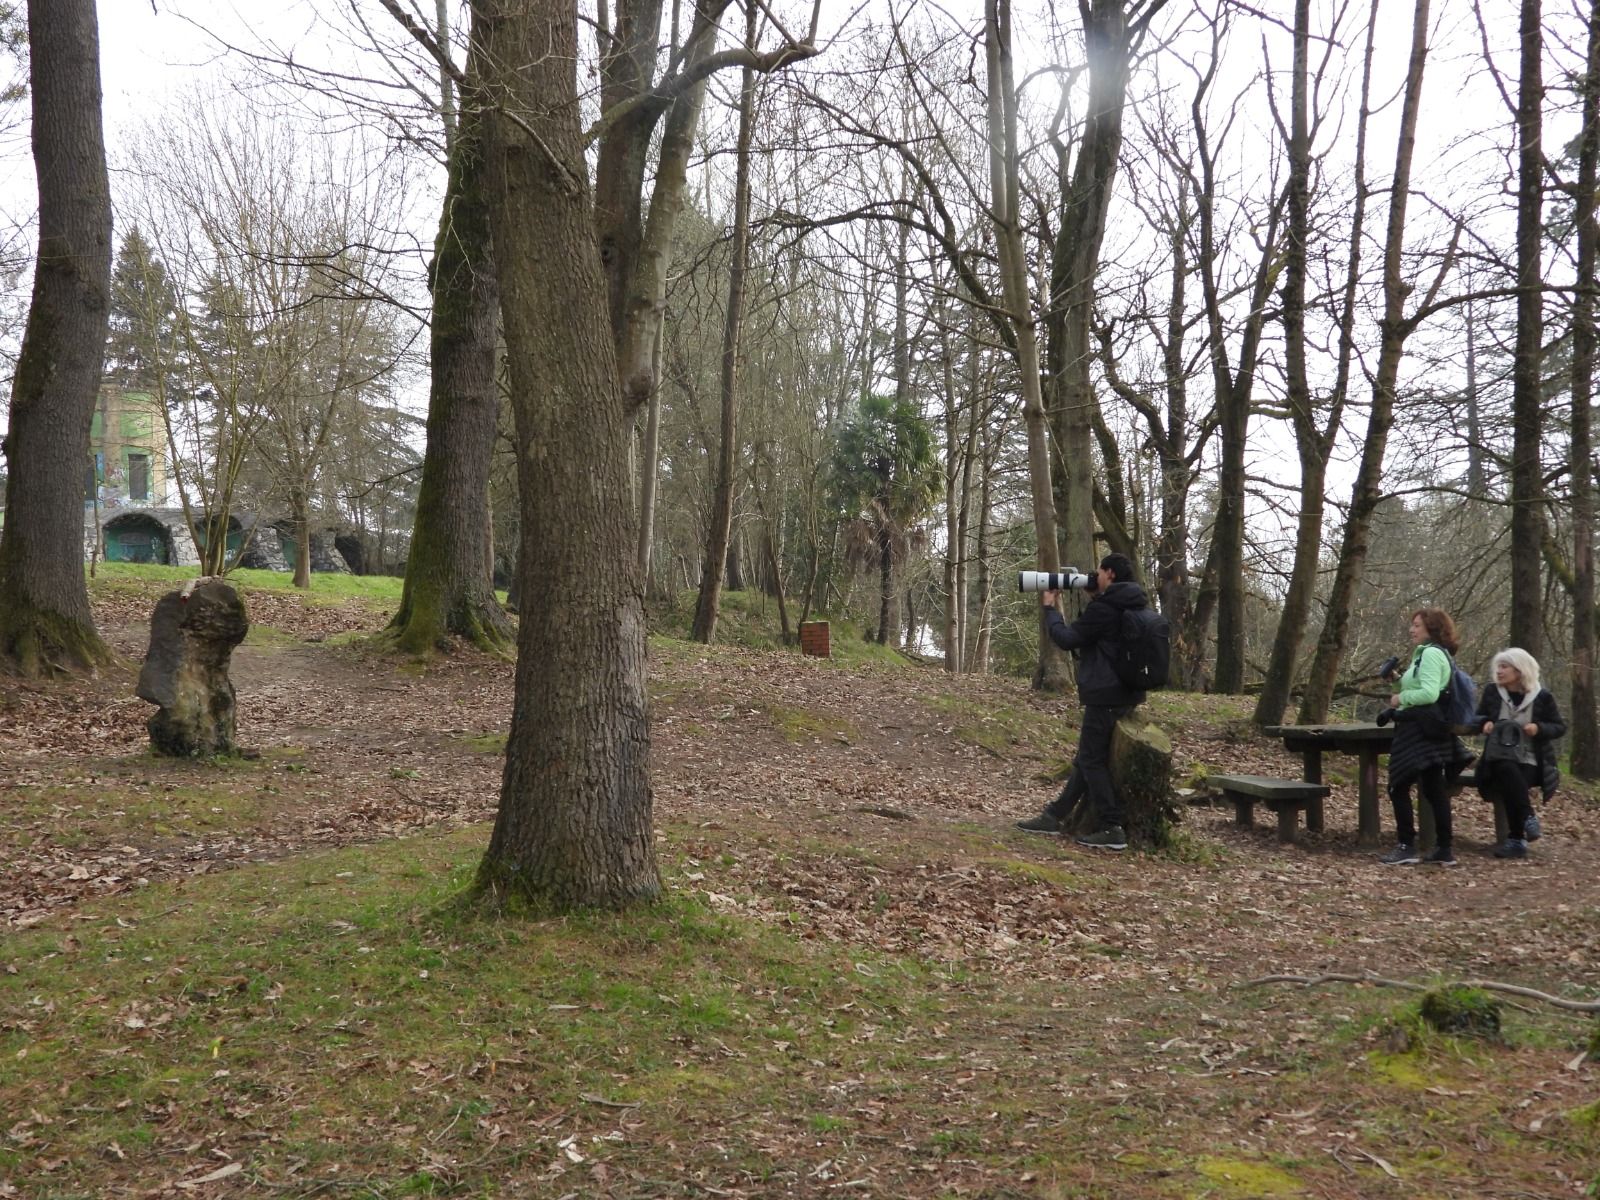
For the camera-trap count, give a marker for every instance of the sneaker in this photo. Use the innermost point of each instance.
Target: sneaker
(1512, 848)
(1530, 829)
(1402, 855)
(1109, 838)
(1443, 856)
(1044, 823)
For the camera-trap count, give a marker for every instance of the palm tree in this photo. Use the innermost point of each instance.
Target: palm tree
(885, 474)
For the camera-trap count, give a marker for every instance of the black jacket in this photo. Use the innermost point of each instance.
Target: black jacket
(1547, 716)
(1092, 635)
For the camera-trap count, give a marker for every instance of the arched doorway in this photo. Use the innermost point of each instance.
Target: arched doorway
(137, 538)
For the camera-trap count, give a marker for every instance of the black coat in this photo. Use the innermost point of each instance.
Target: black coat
(1552, 726)
(1092, 636)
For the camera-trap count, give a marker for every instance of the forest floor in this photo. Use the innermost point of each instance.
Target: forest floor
(255, 977)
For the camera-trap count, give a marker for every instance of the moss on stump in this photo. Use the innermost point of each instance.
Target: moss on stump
(1462, 1010)
(1141, 773)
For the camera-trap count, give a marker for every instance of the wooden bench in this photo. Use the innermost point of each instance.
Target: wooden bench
(1467, 780)
(1286, 797)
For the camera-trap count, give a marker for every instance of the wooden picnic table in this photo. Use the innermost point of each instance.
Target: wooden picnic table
(1367, 740)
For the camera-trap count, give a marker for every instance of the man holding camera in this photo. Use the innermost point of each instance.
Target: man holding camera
(1105, 698)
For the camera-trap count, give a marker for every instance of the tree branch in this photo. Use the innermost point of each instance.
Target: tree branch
(1488, 985)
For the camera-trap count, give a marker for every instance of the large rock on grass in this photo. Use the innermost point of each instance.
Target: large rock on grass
(192, 636)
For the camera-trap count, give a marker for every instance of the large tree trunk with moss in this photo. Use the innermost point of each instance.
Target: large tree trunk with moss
(574, 825)
(448, 588)
(45, 623)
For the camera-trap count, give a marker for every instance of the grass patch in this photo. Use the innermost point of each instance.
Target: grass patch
(360, 1024)
(995, 728)
(326, 587)
(1241, 1177)
(802, 724)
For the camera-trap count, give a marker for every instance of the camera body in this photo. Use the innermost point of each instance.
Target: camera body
(1387, 667)
(1054, 581)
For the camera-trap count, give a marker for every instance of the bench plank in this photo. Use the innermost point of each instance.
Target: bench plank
(1286, 797)
(1266, 788)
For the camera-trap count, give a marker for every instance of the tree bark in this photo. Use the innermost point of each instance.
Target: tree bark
(1312, 447)
(717, 538)
(300, 522)
(574, 824)
(447, 588)
(1584, 729)
(1527, 484)
(45, 622)
(1051, 673)
(1110, 30)
(1395, 327)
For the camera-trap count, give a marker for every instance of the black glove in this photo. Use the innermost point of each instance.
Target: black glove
(1385, 715)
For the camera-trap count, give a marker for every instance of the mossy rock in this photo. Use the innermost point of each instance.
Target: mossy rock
(1461, 1010)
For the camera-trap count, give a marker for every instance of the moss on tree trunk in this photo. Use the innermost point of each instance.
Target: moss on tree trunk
(574, 828)
(45, 622)
(448, 589)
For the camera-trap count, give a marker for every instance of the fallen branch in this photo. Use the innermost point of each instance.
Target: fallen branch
(1488, 985)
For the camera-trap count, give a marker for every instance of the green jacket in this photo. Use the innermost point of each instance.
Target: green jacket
(1424, 680)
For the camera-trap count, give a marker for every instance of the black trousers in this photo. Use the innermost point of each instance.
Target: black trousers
(1510, 781)
(1091, 768)
(1431, 784)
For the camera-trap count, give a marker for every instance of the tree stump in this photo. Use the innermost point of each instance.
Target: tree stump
(1141, 773)
(192, 636)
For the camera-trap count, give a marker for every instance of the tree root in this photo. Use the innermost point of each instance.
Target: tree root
(1488, 985)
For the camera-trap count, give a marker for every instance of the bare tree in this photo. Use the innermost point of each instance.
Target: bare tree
(1584, 729)
(1396, 327)
(1527, 479)
(717, 540)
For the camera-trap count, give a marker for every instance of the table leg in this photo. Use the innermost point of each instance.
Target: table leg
(1368, 832)
(1313, 765)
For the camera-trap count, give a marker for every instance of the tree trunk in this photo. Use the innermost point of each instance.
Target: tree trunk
(650, 467)
(447, 589)
(1052, 673)
(1222, 588)
(300, 522)
(1075, 262)
(574, 825)
(717, 539)
(1527, 484)
(885, 583)
(1395, 327)
(1584, 729)
(1275, 687)
(45, 622)
(953, 510)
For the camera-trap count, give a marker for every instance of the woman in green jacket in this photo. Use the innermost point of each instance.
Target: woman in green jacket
(1425, 746)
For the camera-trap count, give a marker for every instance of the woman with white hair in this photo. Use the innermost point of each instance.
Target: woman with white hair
(1520, 723)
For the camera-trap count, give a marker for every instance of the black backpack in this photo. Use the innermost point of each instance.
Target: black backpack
(1142, 657)
(1458, 703)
